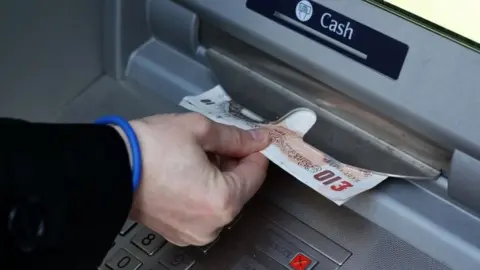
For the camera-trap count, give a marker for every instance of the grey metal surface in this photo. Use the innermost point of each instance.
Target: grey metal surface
(168, 72)
(125, 28)
(462, 184)
(49, 53)
(434, 94)
(107, 96)
(429, 221)
(165, 16)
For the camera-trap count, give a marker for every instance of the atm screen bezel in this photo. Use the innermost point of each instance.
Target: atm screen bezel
(433, 27)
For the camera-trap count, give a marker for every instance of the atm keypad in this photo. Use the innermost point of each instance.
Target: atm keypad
(278, 241)
(142, 249)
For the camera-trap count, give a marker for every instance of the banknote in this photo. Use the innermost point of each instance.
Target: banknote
(333, 179)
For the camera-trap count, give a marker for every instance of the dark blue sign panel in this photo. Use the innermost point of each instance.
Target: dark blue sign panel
(338, 32)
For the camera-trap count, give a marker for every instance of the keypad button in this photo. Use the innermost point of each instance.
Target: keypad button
(248, 263)
(148, 241)
(300, 262)
(127, 227)
(124, 260)
(175, 258)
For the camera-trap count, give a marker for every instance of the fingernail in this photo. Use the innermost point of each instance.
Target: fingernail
(259, 134)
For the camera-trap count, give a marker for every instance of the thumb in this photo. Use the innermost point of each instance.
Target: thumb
(232, 141)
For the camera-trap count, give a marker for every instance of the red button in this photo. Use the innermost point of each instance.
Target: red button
(300, 262)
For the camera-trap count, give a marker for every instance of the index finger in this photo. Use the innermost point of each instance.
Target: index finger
(229, 140)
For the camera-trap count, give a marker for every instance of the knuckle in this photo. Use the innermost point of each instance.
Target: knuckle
(199, 238)
(223, 209)
(201, 123)
(195, 117)
(202, 241)
(238, 137)
(177, 242)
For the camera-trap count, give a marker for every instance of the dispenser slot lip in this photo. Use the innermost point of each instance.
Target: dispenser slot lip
(344, 130)
(463, 180)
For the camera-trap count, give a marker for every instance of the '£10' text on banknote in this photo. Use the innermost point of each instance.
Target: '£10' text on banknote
(335, 180)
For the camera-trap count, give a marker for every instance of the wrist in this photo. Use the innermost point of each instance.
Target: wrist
(128, 134)
(139, 128)
(127, 143)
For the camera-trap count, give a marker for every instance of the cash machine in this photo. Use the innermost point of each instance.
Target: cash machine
(395, 86)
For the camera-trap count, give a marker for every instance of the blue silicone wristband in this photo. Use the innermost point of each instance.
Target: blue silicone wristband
(134, 145)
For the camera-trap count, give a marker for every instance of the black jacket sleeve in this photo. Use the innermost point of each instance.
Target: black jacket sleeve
(65, 192)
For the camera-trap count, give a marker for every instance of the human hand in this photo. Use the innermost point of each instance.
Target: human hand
(185, 194)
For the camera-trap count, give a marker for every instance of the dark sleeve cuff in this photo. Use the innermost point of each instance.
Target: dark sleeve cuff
(73, 180)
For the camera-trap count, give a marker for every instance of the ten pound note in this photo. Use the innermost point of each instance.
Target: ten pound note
(336, 181)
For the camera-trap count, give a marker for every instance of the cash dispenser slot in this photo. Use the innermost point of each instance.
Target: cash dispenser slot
(345, 129)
